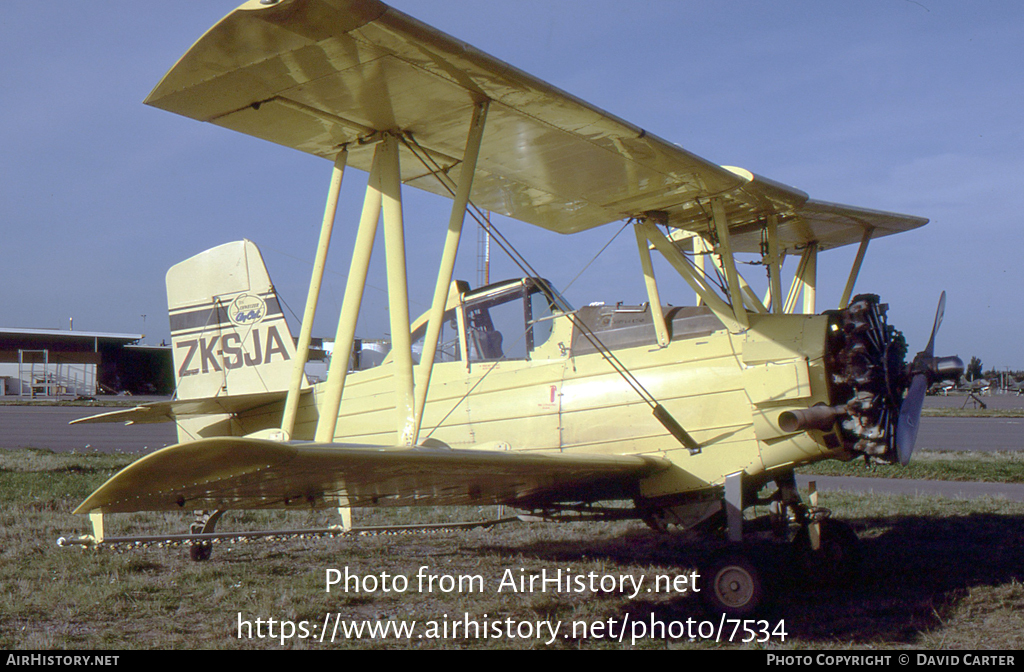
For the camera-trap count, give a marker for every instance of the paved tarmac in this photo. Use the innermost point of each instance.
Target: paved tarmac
(47, 427)
(981, 434)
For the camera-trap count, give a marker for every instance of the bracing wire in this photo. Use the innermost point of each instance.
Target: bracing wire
(599, 253)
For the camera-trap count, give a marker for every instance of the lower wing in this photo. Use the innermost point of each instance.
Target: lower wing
(239, 473)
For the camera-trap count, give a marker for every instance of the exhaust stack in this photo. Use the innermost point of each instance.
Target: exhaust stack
(821, 418)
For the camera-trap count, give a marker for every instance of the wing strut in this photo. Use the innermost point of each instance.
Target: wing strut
(855, 271)
(383, 192)
(751, 301)
(701, 249)
(774, 262)
(804, 281)
(291, 404)
(350, 304)
(398, 289)
(444, 273)
(657, 314)
(725, 249)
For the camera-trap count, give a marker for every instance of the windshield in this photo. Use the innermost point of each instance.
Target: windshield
(508, 321)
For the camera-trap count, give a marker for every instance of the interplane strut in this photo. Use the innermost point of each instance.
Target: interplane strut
(383, 194)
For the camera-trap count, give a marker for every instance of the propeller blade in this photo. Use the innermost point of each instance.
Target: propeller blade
(910, 418)
(925, 367)
(939, 312)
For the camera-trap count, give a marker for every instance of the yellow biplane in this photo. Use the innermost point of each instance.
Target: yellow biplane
(505, 394)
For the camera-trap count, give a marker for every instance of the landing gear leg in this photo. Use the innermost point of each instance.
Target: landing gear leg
(786, 506)
(734, 582)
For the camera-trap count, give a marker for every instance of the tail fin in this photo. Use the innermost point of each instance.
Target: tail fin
(228, 332)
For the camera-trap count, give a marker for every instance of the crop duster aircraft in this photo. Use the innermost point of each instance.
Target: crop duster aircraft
(505, 394)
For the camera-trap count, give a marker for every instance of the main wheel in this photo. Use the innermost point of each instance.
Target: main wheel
(732, 584)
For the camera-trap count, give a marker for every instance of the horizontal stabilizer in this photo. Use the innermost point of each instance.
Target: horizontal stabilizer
(169, 411)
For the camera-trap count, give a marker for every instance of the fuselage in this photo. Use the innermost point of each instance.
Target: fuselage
(542, 385)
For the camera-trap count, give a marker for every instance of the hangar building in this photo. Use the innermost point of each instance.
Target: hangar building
(55, 363)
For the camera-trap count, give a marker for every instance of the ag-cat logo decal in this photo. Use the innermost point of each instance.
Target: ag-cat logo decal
(247, 310)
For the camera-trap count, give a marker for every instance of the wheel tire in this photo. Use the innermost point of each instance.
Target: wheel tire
(732, 584)
(837, 561)
(200, 552)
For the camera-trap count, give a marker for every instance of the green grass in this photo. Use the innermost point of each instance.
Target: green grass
(937, 574)
(994, 467)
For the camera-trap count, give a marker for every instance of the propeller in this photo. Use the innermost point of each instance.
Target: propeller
(925, 368)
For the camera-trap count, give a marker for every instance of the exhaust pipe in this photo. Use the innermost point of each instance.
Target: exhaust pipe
(821, 418)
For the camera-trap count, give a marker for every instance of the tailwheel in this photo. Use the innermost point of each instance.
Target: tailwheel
(837, 559)
(733, 584)
(205, 523)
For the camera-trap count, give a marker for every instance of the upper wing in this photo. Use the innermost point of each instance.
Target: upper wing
(827, 224)
(233, 473)
(317, 75)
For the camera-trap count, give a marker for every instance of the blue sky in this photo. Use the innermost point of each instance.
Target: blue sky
(903, 105)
